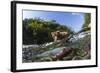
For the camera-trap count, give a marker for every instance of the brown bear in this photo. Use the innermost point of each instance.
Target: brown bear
(59, 35)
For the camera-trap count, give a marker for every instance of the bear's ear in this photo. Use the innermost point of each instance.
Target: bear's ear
(53, 34)
(58, 32)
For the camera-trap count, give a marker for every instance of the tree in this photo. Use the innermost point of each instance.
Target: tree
(87, 20)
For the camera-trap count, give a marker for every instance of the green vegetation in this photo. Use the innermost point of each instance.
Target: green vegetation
(87, 20)
(38, 31)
